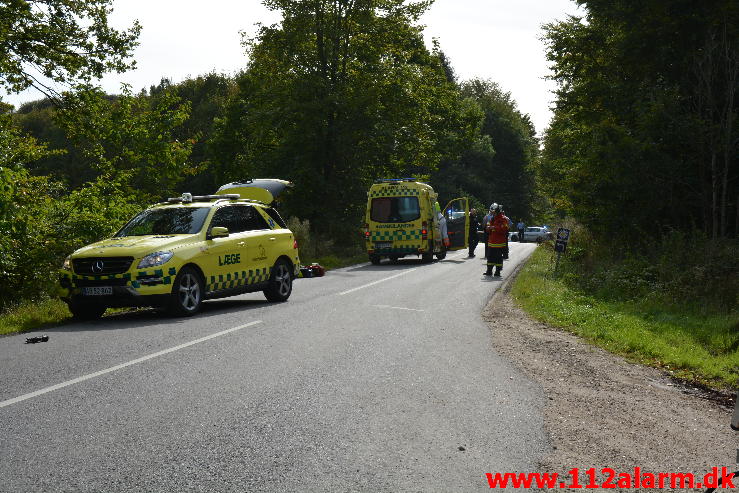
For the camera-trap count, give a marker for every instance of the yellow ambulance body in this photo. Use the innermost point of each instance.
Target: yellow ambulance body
(403, 218)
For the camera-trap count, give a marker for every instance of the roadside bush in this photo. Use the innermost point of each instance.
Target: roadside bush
(677, 268)
(46, 223)
(316, 247)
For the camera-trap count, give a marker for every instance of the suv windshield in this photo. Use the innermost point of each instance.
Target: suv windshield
(166, 221)
(395, 209)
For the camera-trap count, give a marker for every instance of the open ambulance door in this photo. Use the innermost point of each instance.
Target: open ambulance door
(457, 215)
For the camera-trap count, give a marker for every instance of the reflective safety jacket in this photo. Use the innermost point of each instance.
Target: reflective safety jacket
(497, 231)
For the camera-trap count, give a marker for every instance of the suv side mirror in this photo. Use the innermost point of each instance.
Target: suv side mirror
(218, 232)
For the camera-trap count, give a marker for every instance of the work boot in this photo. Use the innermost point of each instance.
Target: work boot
(497, 272)
(488, 272)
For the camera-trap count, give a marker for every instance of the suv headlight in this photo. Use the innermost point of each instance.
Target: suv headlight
(154, 259)
(67, 264)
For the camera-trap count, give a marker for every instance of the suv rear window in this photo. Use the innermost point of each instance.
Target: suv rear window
(395, 209)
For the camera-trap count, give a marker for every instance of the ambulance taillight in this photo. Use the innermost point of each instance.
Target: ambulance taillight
(424, 231)
(366, 232)
(295, 244)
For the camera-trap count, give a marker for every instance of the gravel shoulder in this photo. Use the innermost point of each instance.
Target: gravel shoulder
(604, 411)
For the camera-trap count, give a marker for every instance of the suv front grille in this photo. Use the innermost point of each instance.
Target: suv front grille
(101, 266)
(88, 283)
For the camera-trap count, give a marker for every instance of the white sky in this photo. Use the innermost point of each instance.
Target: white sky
(492, 39)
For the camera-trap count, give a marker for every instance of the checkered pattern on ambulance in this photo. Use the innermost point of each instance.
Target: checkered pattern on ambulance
(393, 192)
(395, 235)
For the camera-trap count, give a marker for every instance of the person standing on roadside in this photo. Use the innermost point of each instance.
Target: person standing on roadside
(497, 231)
(472, 237)
(521, 226)
(485, 220)
(510, 227)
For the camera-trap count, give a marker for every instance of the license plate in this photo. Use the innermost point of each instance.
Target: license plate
(97, 291)
(384, 244)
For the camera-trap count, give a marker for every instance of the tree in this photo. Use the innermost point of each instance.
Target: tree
(645, 118)
(497, 165)
(129, 134)
(60, 41)
(338, 94)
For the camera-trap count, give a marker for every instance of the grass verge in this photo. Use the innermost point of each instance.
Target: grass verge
(695, 346)
(33, 315)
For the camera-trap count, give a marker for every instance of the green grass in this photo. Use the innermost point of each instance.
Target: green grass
(33, 315)
(700, 347)
(335, 262)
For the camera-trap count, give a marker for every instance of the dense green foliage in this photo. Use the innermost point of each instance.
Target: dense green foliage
(60, 41)
(338, 94)
(643, 152)
(498, 165)
(645, 134)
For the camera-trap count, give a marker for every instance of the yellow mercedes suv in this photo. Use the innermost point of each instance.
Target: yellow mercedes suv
(178, 253)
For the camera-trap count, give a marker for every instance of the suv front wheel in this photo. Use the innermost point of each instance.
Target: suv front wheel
(187, 293)
(280, 283)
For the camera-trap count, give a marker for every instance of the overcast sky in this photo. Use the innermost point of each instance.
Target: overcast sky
(493, 39)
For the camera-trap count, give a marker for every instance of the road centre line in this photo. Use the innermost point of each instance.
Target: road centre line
(58, 386)
(377, 282)
(398, 308)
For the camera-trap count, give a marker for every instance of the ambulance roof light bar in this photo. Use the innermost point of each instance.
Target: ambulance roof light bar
(394, 180)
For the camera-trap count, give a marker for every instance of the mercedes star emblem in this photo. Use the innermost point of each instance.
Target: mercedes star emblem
(97, 267)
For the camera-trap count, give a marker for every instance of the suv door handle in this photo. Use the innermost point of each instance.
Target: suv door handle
(272, 239)
(241, 243)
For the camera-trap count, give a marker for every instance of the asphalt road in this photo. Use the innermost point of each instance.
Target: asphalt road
(373, 378)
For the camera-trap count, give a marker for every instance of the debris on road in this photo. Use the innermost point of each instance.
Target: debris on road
(34, 340)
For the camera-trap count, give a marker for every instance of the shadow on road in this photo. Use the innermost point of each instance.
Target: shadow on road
(387, 265)
(151, 317)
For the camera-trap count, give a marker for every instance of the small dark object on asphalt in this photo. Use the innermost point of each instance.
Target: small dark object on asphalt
(461, 448)
(34, 340)
(312, 270)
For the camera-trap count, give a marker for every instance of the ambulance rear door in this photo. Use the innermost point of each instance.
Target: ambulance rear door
(457, 218)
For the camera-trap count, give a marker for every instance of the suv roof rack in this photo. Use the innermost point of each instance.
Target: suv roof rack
(187, 198)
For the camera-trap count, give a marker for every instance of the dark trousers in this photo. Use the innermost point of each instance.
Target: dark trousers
(520, 235)
(495, 259)
(473, 245)
(505, 251)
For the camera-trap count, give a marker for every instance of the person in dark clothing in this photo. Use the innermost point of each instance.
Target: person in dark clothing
(521, 228)
(510, 226)
(485, 220)
(472, 237)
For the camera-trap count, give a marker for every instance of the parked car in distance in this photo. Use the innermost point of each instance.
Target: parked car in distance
(535, 233)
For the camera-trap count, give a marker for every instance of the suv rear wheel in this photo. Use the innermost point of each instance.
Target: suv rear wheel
(187, 293)
(280, 283)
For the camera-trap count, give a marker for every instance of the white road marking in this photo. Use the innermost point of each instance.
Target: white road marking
(377, 282)
(398, 308)
(58, 386)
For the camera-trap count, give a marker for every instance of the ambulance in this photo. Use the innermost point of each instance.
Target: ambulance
(403, 218)
(185, 250)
